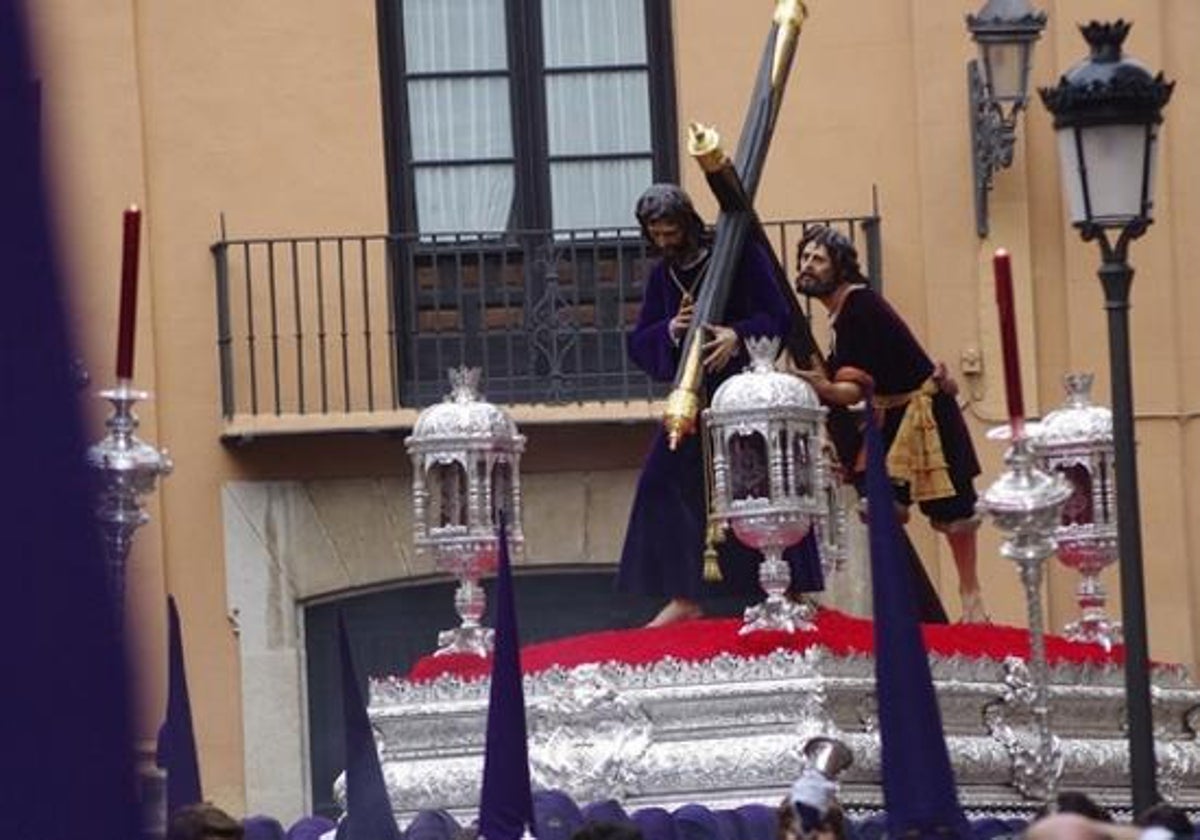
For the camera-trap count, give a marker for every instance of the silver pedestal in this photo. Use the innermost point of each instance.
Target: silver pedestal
(777, 611)
(470, 601)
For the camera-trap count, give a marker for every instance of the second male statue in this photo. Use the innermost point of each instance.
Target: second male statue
(930, 457)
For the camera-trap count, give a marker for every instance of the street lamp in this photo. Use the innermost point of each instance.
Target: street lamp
(1107, 110)
(998, 86)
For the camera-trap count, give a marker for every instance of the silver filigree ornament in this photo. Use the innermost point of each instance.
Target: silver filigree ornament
(588, 738)
(1013, 721)
(770, 476)
(1175, 762)
(730, 730)
(868, 713)
(1076, 441)
(1179, 761)
(466, 456)
(1025, 502)
(1176, 759)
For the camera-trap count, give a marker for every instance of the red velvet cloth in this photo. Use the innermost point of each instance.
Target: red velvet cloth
(698, 641)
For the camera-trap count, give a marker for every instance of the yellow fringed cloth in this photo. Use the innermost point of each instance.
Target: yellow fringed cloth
(916, 456)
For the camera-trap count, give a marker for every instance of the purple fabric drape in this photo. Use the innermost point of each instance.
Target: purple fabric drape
(368, 807)
(176, 751)
(919, 790)
(506, 800)
(66, 754)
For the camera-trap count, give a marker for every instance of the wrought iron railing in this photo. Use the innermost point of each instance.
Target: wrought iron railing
(331, 325)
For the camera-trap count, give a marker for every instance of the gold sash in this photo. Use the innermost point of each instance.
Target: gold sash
(916, 455)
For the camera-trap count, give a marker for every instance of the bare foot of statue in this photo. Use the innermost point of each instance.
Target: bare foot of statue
(677, 609)
(973, 610)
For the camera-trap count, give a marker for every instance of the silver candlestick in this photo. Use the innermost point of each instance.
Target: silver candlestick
(1025, 503)
(127, 469)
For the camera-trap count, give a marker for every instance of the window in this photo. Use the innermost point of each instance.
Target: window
(459, 130)
(597, 88)
(525, 114)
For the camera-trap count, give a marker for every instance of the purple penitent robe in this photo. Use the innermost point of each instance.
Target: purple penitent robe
(664, 543)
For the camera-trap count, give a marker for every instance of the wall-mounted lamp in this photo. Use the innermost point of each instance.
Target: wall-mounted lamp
(998, 85)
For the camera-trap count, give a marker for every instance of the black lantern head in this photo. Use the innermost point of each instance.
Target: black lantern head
(1107, 110)
(997, 87)
(1005, 31)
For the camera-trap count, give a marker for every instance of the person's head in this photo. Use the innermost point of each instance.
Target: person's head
(1168, 816)
(310, 828)
(825, 259)
(830, 821)
(788, 824)
(262, 828)
(555, 815)
(433, 824)
(670, 222)
(832, 825)
(203, 821)
(1075, 802)
(607, 831)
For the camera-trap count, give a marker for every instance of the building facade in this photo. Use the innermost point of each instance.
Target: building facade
(341, 200)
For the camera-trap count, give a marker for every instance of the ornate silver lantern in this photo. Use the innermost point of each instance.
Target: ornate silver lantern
(1077, 442)
(466, 456)
(769, 474)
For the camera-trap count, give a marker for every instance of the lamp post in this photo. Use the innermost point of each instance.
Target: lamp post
(997, 87)
(1107, 109)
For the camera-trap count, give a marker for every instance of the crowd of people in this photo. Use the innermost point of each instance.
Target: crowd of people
(811, 811)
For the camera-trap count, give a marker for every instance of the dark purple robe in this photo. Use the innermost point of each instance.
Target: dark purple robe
(664, 543)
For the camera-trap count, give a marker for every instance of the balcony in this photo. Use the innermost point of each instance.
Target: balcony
(339, 333)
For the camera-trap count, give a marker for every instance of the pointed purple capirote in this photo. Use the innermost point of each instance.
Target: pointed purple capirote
(919, 791)
(506, 801)
(368, 806)
(176, 753)
(66, 744)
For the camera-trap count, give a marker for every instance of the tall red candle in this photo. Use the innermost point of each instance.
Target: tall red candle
(129, 272)
(1002, 269)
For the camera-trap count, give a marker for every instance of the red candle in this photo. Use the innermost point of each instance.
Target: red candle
(129, 272)
(1002, 270)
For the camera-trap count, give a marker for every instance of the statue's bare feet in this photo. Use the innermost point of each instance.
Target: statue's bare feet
(973, 610)
(676, 610)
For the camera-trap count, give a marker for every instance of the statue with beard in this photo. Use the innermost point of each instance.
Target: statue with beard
(930, 457)
(664, 542)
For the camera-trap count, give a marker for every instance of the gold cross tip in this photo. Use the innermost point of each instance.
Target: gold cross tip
(790, 13)
(704, 144)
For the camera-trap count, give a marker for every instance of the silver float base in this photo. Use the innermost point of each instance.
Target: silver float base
(730, 731)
